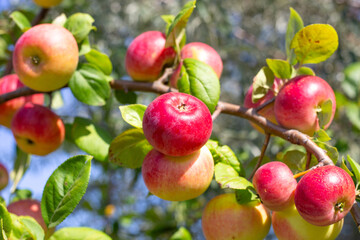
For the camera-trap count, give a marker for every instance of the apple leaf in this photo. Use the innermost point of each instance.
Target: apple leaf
(295, 24)
(80, 25)
(181, 234)
(101, 60)
(32, 227)
(21, 164)
(355, 167)
(129, 148)
(79, 233)
(84, 46)
(90, 86)
(247, 195)
(345, 167)
(60, 20)
(128, 97)
(305, 71)
(175, 31)
(295, 160)
(64, 189)
(20, 194)
(324, 113)
(331, 151)
(168, 19)
(133, 114)
(91, 138)
(262, 82)
(200, 80)
(281, 69)
(20, 20)
(322, 136)
(228, 177)
(6, 222)
(315, 43)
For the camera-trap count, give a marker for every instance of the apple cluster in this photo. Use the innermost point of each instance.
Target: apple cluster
(180, 167)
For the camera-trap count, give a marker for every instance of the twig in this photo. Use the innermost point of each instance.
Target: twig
(265, 104)
(262, 154)
(40, 16)
(355, 213)
(217, 112)
(308, 160)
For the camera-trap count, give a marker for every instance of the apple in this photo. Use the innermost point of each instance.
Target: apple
(146, 56)
(268, 111)
(177, 124)
(201, 52)
(28, 207)
(275, 184)
(298, 101)
(4, 176)
(224, 218)
(47, 3)
(178, 178)
(37, 130)
(45, 57)
(325, 195)
(289, 224)
(11, 83)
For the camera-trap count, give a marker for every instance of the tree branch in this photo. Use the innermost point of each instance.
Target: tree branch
(262, 154)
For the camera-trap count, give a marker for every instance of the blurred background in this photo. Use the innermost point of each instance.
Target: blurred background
(244, 33)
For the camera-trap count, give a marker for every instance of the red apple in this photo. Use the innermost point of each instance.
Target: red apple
(177, 124)
(178, 178)
(289, 224)
(223, 218)
(268, 111)
(298, 101)
(275, 184)
(47, 3)
(201, 52)
(325, 195)
(37, 130)
(4, 176)
(11, 83)
(45, 57)
(147, 56)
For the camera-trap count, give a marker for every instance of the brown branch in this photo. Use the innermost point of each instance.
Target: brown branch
(355, 213)
(262, 154)
(308, 160)
(265, 104)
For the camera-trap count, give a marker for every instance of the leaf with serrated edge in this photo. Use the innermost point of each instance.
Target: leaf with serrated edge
(262, 82)
(227, 177)
(322, 136)
(324, 113)
(331, 151)
(294, 25)
(6, 222)
(32, 226)
(247, 195)
(79, 233)
(295, 160)
(355, 167)
(281, 69)
(64, 189)
(21, 21)
(133, 114)
(101, 60)
(345, 167)
(80, 25)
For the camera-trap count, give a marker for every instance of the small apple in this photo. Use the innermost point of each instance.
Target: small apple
(47, 3)
(268, 111)
(288, 224)
(275, 184)
(325, 195)
(178, 178)
(4, 176)
(37, 130)
(177, 124)
(224, 218)
(11, 83)
(201, 52)
(298, 101)
(45, 57)
(147, 56)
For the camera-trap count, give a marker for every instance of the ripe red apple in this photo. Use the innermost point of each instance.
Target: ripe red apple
(37, 130)
(178, 178)
(47, 3)
(45, 57)
(325, 195)
(147, 56)
(201, 52)
(10, 83)
(275, 184)
(4, 176)
(289, 224)
(223, 218)
(268, 111)
(298, 100)
(177, 124)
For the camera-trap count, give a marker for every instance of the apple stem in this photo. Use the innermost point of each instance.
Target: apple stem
(339, 207)
(300, 174)
(35, 60)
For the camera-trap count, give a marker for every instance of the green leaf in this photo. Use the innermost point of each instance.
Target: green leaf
(324, 113)
(79, 233)
(123, 97)
(228, 177)
(84, 46)
(331, 151)
(129, 148)
(225, 155)
(6, 222)
(21, 194)
(355, 167)
(168, 19)
(91, 138)
(305, 71)
(322, 136)
(64, 189)
(21, 165)
(60, 20)
(19, 231)
(181, 234)
(32, 227)
(295, 160)
(200, 80)
(101, 60)
(280, 68)
(133, 114)
(21, 21)
(295, 24)
(247, 195)
(315, 43)
(353, 113)
(262, 82)
(90, 86)
(344, 166)
(175, 31)
(80, 25)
